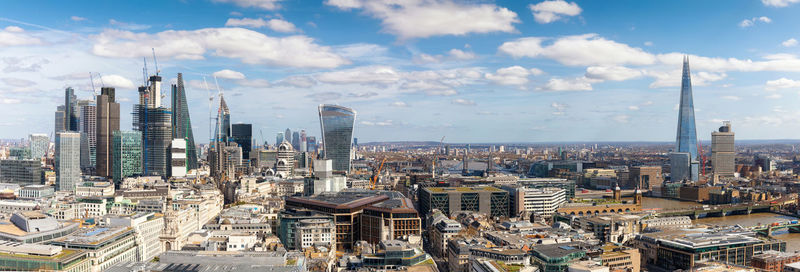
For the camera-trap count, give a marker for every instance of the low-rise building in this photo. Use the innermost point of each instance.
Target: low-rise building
(105, 247)
(772, 260)
(30, 257)
(557, 257)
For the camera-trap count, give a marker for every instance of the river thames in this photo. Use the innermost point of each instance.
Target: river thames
(792, 239)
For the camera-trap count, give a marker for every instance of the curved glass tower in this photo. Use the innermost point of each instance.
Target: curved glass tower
(336, 123)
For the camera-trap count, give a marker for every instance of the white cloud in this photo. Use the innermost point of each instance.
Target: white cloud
(648, 43)
(281, 26)
(731, 97)
(377, 123)
(463, 102)
(399, 104)
(672, 78)
(378, 75)
(614, 73)
(559, 108)
(249, 46)
(255, 83)
(17, 82)
(116, 81)
(298, 81)
(246, 22)
(778, 3)
(789, 43)
(622, 118)
(16, 36)
(782, 83)
(259, 4)
(633, 108)
(77, 18)
(774, 96)
(754, 20)
(9, 101)
(127, 26)
(550, 11)
(461, 55)
(561, 84)
(228, 74)
(579, 50)
(514, 75)
(427, 18)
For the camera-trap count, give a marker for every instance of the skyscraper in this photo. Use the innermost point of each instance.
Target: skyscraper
(107, 123)
(311, 143)
(68, 160)
(303, 141)
(278, 138)
(723, 154)
(127, 155)
(40, 143)
(181, 123)
(686, 140)
(296, 140)
(70, 110)
(336, 123)
(87, 124)
(222, 132)
(59, 120)
(242, 134)
(155, 123)
(286, 136)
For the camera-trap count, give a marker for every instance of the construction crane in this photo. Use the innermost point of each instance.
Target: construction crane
(441, 143)
(702, 158)
(374, 179)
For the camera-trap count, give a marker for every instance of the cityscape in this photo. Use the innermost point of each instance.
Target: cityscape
(399, 135)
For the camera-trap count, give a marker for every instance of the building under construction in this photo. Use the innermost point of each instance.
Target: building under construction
(155, 123)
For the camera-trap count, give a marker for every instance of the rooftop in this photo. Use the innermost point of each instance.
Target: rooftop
(463, 189)
(557, 250)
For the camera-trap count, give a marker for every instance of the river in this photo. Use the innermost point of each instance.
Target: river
(792, 239)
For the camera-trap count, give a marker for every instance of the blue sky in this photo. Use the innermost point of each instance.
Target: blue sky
(473, 71)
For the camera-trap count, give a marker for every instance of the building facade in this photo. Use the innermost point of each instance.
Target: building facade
(686, 139)
(107, 123)
(488, 200)
(127, 155)
(182, 123)
(68, 160)
(723, 154)
(336, 123)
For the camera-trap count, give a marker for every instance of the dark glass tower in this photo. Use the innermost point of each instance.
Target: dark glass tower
(70, 110)
(242, 134)
(181, 123)
(336, 123)
(107, 122)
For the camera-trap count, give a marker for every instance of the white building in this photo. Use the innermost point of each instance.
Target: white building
(68, 160)
(285, 164)
(312, 232)
(40, 143)
(323, 179)
(539, 201)
(178, 158)
(105, 247)
(675, 222)
(147, 227)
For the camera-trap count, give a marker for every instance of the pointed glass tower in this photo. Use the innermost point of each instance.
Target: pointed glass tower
(683, 160)
(222, 133)
(181, 123)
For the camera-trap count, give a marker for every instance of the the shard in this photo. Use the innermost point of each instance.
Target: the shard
(684, 158)
(181, 123)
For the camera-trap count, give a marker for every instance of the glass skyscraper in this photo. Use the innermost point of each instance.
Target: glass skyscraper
(686, 139)
(242, 134)
(181, 123)
(336, 123)
(127, 154)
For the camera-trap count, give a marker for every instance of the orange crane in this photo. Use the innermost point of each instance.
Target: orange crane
(374, 179)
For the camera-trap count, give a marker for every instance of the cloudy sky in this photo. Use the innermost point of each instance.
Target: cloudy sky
(473, 71)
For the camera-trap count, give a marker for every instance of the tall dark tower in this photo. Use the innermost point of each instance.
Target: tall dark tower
(70, 110)
(107, 123)
(242, 134)
(182, 124)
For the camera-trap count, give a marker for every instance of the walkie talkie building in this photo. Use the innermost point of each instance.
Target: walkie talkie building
(336, 123)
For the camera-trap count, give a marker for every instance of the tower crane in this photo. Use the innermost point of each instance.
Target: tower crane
(374, 179)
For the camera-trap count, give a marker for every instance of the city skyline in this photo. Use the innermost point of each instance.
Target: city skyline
(535, 71)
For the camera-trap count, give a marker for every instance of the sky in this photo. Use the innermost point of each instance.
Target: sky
(417, 70)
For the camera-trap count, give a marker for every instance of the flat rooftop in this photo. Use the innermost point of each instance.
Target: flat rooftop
(463, 189)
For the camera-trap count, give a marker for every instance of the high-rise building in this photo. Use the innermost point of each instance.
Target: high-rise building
(70, 110)
(336, 123)
(303, 141)
(285, 164)
(311, 143)
(59, 120)
(40, 143)
(127, 154)
(723, 154)
(155, 123)
(87, 124)
(278, 138)
(686, 140)
(107, 123)
(181, 123)
(242, 134)
(287, 136)
(296, 140)
(178, 162)
(68, 160)
(222, 132)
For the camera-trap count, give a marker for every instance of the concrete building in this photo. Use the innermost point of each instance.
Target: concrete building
(37, 191)
(39, 145)
(557, 257)
(178, 161)
(287, 225)
(541, 202)
(323, 179)
(723, 153)
(30, 257)
(393, 219)
(645, 177)
(147, 227)
(284, 166)
(772, 260)
(441, 232)
(34, 227)
(314, 232)
(68, 160)
(676, 222)
(488, 200)
(22, 172)
(105, 247)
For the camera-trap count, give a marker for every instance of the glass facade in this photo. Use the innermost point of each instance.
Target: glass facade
(336, 123)
(181, 123)
(127, 161)
(68, 160)
(242, 135)
(686, 139)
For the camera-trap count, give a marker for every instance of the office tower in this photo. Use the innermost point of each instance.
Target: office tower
(222, 131)
(336, 123)
(723, 154)
(22, 172)
(68, 160)
(242, 134)
(157, 138)
(278, 138)
(59, 120)
(182, 124)
(296, 140)
(107, 123)
(355, 142)
(155, 123)
(40, 143)
(303, 141)
(311, 143)
(287, 136)
(284, 166)
(178, 154)
(126, 155)
(87, 110)
(70, 110)
(686, 140)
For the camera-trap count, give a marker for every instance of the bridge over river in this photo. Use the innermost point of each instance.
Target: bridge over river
(727, 209)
